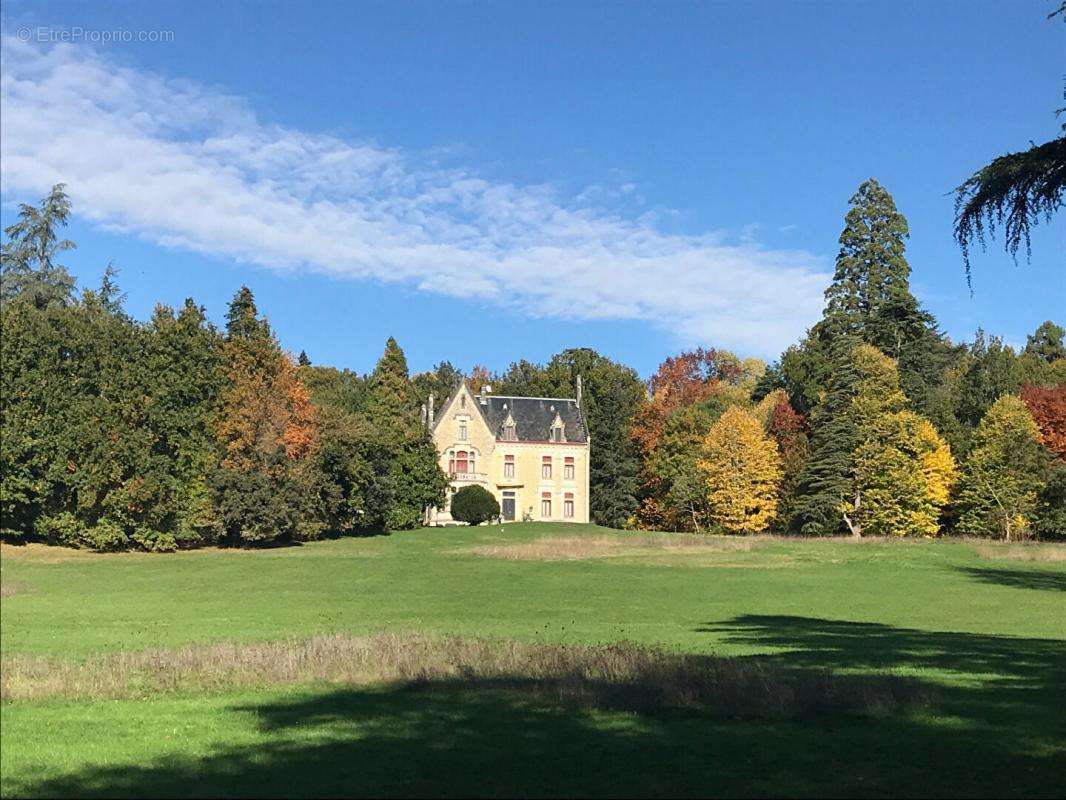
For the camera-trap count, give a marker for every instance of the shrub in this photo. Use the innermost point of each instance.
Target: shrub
(63, 528)
(474, 505)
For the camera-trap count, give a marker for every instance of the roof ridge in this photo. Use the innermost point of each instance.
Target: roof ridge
(527, 397)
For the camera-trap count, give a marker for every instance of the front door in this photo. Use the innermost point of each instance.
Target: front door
(508, 506)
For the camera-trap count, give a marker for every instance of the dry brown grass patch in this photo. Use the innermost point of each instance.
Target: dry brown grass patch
(1022, 551)
(12, 589)
(577, 548)
(621, 676)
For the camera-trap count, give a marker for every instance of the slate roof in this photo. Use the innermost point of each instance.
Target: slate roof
(533, 416)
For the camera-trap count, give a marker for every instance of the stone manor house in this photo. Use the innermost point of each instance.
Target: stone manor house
(532, 453)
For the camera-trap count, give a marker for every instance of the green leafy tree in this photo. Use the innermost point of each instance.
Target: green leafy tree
(676, 464)
(1046, 342)
(407, 476)
(474, 505)
(864, 384)
(904, 476)
(1003, 476)
(1051, 506)
(185, 377)
(440, 382)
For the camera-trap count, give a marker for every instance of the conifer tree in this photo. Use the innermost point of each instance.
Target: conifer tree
(1046, 343)
(27, 259)
(407, 475)
(864, 384)
(870, 299)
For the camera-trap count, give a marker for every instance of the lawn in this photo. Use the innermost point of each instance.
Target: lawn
(979, 628)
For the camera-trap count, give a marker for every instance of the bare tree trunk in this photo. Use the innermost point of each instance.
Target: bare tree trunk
(854, 527)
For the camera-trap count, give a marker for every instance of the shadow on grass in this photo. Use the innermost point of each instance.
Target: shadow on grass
(998, 731)
(1019, 579)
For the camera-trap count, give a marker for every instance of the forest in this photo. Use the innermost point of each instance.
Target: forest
(172, 433)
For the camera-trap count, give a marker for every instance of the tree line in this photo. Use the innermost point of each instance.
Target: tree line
(172, 433)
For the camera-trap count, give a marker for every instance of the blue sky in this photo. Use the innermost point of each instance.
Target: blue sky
(488, 182)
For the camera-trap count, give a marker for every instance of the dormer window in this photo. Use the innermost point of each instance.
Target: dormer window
(510, 432)
(557, 433)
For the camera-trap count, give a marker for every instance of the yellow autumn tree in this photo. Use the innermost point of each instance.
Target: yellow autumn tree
(743, 470)
(904, 476)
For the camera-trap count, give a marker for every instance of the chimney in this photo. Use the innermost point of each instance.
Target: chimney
(425, 416)
(430, 411)
(579, 391)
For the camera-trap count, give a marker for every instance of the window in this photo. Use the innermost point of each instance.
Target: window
(509, 432)
(568, 468)
(557, 433)
(451, 462)
(546, 467)
(568, 505)
(473, 466)
(462, 431)
(545, 504)
(508, 466)
(461, 463)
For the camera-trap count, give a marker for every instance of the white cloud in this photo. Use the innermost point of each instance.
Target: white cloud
(189, 166)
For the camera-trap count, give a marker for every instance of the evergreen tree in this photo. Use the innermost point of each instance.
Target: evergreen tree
(184, 370)
(27, 259)
(1046, 342)
(864, 384)
(407, 475)
(303, 360)
(870, 299)
(990, 371)
(391, 398)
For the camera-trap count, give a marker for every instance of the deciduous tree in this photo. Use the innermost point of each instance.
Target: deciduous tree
(743, 470)
(1004, 473)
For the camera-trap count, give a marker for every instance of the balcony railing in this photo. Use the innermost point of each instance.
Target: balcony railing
(470, 477)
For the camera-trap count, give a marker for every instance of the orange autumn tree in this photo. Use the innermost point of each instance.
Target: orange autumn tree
(680, 382)
(1048, 407)
(479, 378)
(267, 429)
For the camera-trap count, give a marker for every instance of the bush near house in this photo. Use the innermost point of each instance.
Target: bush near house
(474, 505)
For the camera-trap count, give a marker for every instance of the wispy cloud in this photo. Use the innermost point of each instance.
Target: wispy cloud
(189, 166)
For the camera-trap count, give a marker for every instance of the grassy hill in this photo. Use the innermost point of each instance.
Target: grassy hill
(753, 667)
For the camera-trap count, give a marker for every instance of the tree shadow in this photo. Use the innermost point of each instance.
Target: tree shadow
(1019, 579)
(1002, 687)
(998, 732)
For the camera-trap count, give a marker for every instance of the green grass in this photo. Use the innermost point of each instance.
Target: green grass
(986, 635)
